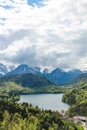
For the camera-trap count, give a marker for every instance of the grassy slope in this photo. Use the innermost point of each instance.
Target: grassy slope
(77, 96)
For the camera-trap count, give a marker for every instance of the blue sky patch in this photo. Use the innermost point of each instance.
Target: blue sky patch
(35, 2)
(6, 7)
(3, 19)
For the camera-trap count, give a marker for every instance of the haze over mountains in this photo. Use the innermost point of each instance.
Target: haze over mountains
(5, 69)
(57, 76)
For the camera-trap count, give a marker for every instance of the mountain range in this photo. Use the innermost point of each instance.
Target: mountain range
(5, 69)
(57, 76)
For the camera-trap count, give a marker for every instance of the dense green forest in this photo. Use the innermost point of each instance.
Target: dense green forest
(27, 80)
(28, 84)
(77, 96)
(14, 116)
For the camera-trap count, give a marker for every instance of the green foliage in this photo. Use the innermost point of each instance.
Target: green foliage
(77, 97)
(79, 127)
(15, 116)
(27, 84)
(27, 80)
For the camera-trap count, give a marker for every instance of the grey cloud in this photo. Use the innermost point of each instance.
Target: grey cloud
(6, 40)
(37, 56)
(63, 28)
(80, 45)
(26, 56)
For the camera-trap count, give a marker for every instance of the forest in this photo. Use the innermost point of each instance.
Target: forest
(16, 116)
(77, 96)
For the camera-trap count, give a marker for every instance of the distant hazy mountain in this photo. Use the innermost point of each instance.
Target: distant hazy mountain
(22, 69)
(45, 71)
(10, 68)
(81, 80)
(57, 76)
(74, 74)
(3, 70)
(61, 77)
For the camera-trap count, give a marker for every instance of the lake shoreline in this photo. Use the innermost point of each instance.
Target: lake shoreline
(51, 101)
(41, 93)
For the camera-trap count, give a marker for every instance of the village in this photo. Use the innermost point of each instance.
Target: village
(81, 120)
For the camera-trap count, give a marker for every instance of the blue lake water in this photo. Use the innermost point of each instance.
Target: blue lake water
(45, 101)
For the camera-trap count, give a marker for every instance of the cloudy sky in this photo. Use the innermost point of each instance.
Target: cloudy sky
(45, 33)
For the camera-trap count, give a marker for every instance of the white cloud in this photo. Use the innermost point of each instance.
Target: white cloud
(51, 35)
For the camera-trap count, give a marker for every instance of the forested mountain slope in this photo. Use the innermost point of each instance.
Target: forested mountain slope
(77, 96)
(27, 83)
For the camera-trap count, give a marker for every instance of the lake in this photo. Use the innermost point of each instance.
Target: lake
(45, 101)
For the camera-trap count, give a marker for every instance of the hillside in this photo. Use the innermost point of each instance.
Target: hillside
(28, 83)
(80, 81)
(14, 116)
(27, 80)
(77, 96)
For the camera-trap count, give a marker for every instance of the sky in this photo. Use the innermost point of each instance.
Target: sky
(45, 33)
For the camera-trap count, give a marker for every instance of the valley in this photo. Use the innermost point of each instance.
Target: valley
(43, 64)
(24, 80)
